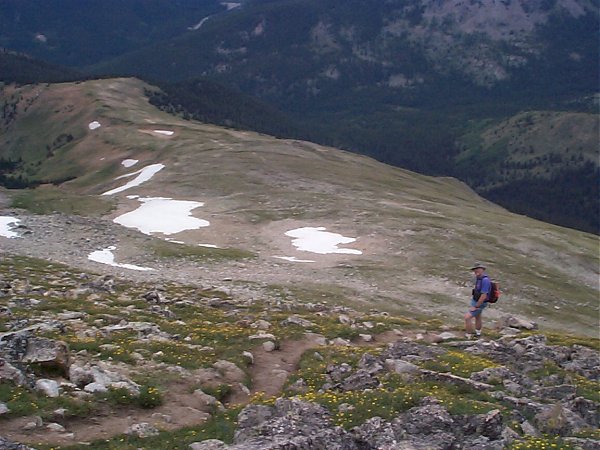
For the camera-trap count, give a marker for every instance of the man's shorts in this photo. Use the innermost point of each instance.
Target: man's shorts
(478, 310)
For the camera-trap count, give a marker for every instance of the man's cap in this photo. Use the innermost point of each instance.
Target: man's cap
(478, 266)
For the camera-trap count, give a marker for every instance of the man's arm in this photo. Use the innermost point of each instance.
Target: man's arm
(482, 299)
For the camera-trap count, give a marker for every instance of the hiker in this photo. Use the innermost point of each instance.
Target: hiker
(481, 292)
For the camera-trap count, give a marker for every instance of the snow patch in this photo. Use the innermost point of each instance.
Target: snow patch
(199, 24)
(6, 223)
(294, 259)
(130, 162)
(231, 5)
(208, 245)
(143, 175)
(163, 215)
(318, 240)
(107, 256)
(93, 125)
(164, 132)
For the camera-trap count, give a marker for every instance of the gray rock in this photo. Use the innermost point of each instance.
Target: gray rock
(583, 444)
(340, 342)
(35, 422)
(142, 430)
(259, 336)
(210, 444)
(3, 410)
(6, 444)
(558, 420)
(290, 424)
(560, 392)
(370, 363)
(47, 387)
(519, 323)
(56, 427)
(205, 399)
(587, 409)
(447, 335)
(426, 420)
(80, 376)
(495, 375)
(249, 357)
(261, 324)
(490, 425)
(94, 388)
(366, 337)
(375, 433)
(399, 366)
(297, 320)
(269, 346)
(359, 380)
(10, 374)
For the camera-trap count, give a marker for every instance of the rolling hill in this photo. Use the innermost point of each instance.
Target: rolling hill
(408, 83)
(109, 153)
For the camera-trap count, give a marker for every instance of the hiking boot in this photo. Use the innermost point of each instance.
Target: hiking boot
(478, 333)
(468, 336)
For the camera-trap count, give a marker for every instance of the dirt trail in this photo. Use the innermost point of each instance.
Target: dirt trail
(268, 374)
(180, 409)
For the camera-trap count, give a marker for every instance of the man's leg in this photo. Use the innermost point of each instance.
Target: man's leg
(478, 323)
(468, 323)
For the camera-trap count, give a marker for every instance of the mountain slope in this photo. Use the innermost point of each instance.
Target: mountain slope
(540, 163)
(74, 33)
(22, 69)
(416, 235)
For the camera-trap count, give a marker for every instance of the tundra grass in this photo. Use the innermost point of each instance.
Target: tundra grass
(163, 249)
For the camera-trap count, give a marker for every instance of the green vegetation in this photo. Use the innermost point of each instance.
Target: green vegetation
(397, 394)
(220, 426)
(458, 363)
(48, 200)
(164, 249)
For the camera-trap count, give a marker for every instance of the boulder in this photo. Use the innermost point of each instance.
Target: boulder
(519, 323)
(297, 320)
(47, 387)
(3, 410)
(559, 420)
(375, 433)
(261, 324)
(6, 444)
(142, 430)
(490, 425)
(290, 424)
(210, 444)
(10, 374)
(269, 346)
(402, 367)
(230, 371)
(359, 380)
(47, 353)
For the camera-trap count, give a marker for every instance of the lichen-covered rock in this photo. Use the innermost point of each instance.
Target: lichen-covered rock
(142, 430)
(6, 444)
(290, 424)
(558, 420)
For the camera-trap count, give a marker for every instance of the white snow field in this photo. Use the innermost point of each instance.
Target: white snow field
(107, 256)
(143, 175)
(162, 215)
(6, 223)
(129, 162)
(94, 125)
(318, 240)
(164, 132)
(294, 259)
